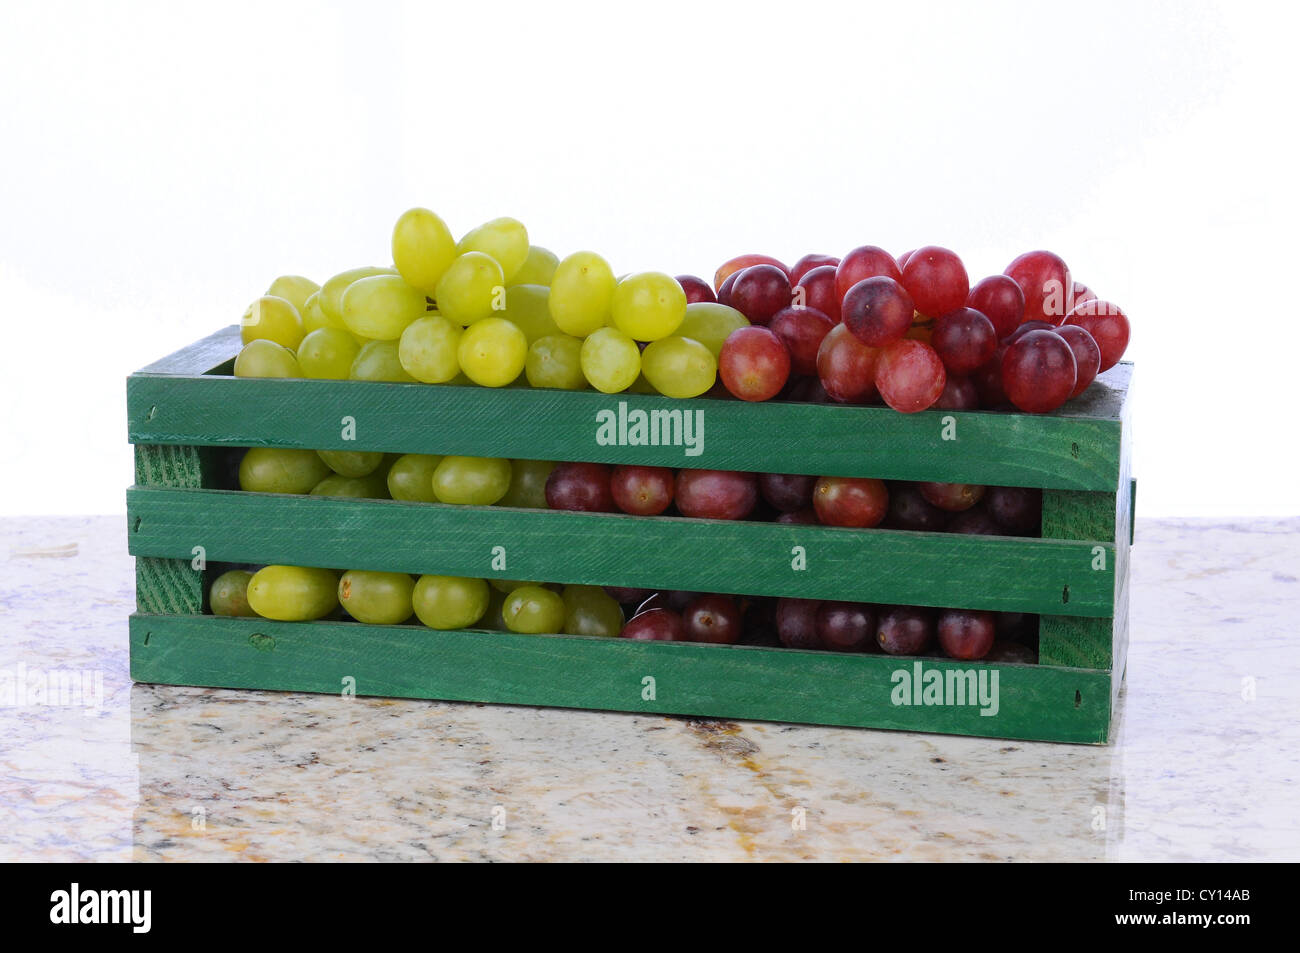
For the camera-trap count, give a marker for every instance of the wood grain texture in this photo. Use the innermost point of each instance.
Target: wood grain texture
(1074, 450)
(936, 569)
(168, 585)
(1033, 702)
(202, 357)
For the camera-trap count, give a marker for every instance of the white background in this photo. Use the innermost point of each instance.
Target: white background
(161, 163)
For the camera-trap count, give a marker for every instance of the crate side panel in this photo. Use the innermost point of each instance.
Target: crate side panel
(996, 573)
(163, 584)
(1030, 702)
(1070, 452)
(201, 357)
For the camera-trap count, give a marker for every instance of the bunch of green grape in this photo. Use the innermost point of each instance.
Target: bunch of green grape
(302, 594)
(411, 477)
(490, 310)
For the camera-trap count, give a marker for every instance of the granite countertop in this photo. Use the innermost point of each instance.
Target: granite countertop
(1202, 768)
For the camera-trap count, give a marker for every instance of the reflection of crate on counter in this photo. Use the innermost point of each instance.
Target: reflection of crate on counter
(1075, 577)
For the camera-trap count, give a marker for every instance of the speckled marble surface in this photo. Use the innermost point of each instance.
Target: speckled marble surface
(1204, 765)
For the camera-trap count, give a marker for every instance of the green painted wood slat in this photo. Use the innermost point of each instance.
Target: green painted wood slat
(938, 569)
(1033, 702)
(1077, 449)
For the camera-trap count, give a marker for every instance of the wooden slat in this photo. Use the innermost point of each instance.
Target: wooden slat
(162, 584)
(1078, 449)
(201, 357)
(937, 569)
(1033, 701)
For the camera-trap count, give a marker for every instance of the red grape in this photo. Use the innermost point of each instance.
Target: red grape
(1079, 293)
(580, 486)
(878, 311)
(847, 367)
(1107, 324)
(655, 600)
(655, 625)
(625, 596)
(975, 521)
(724, 292)
(818, 290)
(808, 262)
(754, 364)
(697, 289)
(787, 492)
(846, 626)
(850, 501)
(1087, 356)
(1013, 653)
(1038, 372)
(964, 340)
(905, 630)
(716, 494)
(909, 376)
(642, 491)
(733, 265)
(999, 299)
(904, 258)
(865, 261)
(909, 510)
(965, 633)
(1044, 279)
(1017, 509)
(760, 291)
(712, 618)
(796, 623)
(988, 381)
(804, 517)
(959, 393)
(953, 497)
(936, 279)
(801, 330)
(1025, 328)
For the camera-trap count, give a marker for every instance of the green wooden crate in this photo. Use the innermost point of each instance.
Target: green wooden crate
(1075, 577)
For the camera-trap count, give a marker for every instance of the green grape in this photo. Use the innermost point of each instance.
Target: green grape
(504, 239)
(471, 481)
(378, 598)
(271, 319)
(526, 309)
(710, 323)
(281, 470)
(372, 487)
(293, 593)
(611, 360)
(428, 348)
(378, 361)
(538, 267)
(527, 484)
(331, 293)
(532, 610)
(313, 318)
(641, 385)
(648, 306)
(422, 248)
(410, 478)
(449, 602)
(262, 358)
(492, 352)
(327, 354)
(352, 463)
(679, 367)
(590, 610)
(228, 594)
(470, 289)
(582, 289)
(381, 306)
(507, 586)
(555, 361)
(295, 289)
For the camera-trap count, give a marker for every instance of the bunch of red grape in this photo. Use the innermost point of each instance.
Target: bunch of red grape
(795, 498)
(827, 625)
(911, 331)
